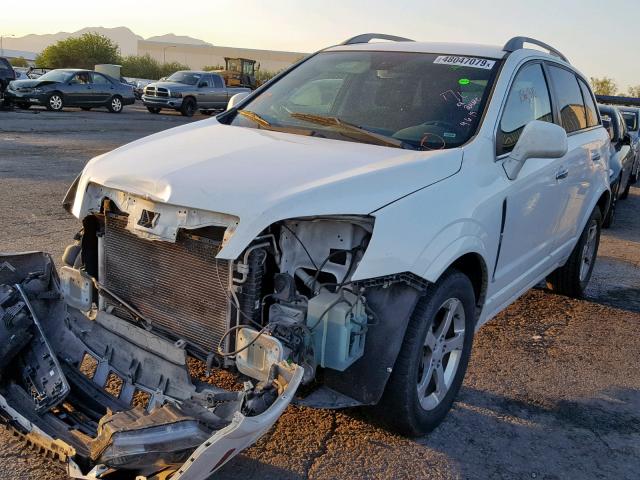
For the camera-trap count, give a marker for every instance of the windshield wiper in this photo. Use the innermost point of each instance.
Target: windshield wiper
(335, 122)
(254, 117)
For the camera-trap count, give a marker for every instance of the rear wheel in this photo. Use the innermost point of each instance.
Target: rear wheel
(434, 356)
(572, 278)
(115, 104)
(55, 102)
(189, 107)
(153, 110)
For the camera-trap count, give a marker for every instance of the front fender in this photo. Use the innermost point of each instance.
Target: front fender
(458, 239)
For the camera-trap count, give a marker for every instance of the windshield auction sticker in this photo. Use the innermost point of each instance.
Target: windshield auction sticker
(465, 61)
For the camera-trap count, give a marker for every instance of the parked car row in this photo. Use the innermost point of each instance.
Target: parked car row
(622, 124)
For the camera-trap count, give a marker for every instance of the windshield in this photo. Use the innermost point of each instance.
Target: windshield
(55, 76)
(631, 119)
(415, 100)
(188, 78)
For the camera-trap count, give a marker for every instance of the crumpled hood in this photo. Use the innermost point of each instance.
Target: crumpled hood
(263, 176)
(19, 84)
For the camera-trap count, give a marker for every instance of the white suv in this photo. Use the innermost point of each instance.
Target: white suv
(347, 226)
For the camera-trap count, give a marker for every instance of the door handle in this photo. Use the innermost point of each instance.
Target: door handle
(595, 156)
(562, 173)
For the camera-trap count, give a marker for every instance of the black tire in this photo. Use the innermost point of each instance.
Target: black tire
(86, 109)
(154, 110)
(189, 107)
(115, 104)
(55, 102)
(571, 280)
(402, 408)
(627, 187)
(610, 218)
(24, 106)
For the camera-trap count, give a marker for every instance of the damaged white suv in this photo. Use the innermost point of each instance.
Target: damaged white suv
(346, 227)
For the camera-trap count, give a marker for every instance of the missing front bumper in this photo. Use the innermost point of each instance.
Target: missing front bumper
(112, 396)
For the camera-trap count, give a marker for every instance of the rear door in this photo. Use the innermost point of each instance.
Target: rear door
(220, 95)
(531, 201)
(577, 114)
(103, 89)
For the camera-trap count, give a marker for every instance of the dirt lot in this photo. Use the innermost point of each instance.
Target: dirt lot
(553, 388)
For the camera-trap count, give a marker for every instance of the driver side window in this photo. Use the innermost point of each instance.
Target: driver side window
(528, 100)
(81, 78)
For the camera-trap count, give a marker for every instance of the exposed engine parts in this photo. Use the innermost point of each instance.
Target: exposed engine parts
(96, 356)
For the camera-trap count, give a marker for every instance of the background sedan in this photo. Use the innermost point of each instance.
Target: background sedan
(71, 88)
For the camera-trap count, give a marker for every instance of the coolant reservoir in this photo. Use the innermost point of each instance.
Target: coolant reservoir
(339, 323)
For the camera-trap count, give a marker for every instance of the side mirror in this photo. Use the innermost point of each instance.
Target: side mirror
(236, 99)
(626, 139)
(202, 84)
(537, 140)
(608, 126)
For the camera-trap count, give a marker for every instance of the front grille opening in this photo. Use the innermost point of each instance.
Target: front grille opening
(113, 385)
(88, 366)
(181, 288)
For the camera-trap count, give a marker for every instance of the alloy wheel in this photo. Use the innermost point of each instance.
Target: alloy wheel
(55, 102)
(116, 104)
(442, 352)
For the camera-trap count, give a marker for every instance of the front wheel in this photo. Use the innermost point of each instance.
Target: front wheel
(189, 107)
(55, 102)
(115, 104)
(433, 360)
(572, 278)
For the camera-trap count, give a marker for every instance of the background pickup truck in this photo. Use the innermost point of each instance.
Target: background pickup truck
(189, 91)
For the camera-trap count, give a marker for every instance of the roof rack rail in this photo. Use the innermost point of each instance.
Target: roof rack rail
(367, 37)
(517, 43)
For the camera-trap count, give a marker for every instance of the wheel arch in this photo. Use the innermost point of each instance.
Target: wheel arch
(472, 264)
(603, 203)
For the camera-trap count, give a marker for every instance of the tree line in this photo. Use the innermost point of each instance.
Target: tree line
(91, 49)
(608, 86)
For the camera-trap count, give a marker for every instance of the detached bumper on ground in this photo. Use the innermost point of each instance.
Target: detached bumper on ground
(106, 395)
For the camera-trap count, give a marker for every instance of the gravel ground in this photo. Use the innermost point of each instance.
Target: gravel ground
(553, 387)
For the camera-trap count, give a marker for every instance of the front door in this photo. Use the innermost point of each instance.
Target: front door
(531, 201)
(80, 89)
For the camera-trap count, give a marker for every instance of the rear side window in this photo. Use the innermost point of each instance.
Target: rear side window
(631, 119)
(528, 100)
(100, 80)
(570, 103)
(589, 105)
(217, 81)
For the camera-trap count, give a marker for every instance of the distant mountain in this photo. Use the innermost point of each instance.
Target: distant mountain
(123, 36)
(181, 39)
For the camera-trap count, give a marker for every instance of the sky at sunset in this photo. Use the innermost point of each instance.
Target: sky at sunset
(600, 38)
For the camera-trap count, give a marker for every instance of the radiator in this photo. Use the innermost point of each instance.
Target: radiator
(179, 287)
